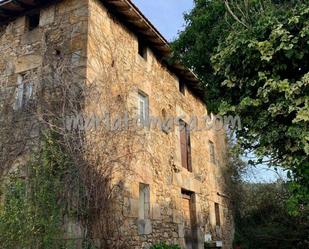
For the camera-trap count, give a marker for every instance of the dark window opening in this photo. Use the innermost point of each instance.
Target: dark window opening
(33, 21)
(185, 145)
(217, 212)
(182, 87)
(142, 48)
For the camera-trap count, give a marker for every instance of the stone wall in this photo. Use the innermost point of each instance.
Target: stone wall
(30, 55)
(102, 50)
(113, 58)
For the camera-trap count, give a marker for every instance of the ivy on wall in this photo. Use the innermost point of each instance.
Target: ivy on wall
(34, 209)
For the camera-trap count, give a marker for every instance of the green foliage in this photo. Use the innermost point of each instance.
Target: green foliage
(263, 222)
(257, 67)
(34, 207)
(164, 246)
(206, 27)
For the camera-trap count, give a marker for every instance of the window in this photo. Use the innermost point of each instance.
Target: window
(143, 107)
(212, 153)
(185, 145)
(144, 201)
(217, 212)
(33, 21)
(142, 48)
(182, 87)
(24, 92)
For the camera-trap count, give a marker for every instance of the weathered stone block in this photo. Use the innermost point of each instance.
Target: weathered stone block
(27, 62)
(156, 212)
(12, 80)
(131, 207)
(20, 25)
(31, 37)
(181, 230)
(47, 16)
(177, 217)
(10, 67)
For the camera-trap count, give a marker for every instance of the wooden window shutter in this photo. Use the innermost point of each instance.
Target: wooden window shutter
(188, 142)
(183, 144)
(217, 211)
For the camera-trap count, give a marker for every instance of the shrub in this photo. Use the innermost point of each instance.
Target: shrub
(164, 246)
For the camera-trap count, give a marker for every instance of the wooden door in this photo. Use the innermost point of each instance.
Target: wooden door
(188, 220)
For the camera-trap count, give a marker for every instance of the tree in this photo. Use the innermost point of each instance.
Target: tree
(258, 69)
(262, 220)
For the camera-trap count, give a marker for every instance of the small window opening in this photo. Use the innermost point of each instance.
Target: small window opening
(182, 87)
(217, 212)
(142, 48)
(33, 21)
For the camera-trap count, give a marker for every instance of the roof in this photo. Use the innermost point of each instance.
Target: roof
(131, 16)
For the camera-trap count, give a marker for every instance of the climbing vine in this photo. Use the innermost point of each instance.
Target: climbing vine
(38, 201)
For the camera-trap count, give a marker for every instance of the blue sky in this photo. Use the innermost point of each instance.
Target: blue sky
(165, 15)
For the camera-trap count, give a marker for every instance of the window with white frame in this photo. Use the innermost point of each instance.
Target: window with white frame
(24, 92)
(143, 107)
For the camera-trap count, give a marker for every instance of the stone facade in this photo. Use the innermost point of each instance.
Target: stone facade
(102, 48)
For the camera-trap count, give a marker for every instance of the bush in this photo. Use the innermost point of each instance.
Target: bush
(164, 246)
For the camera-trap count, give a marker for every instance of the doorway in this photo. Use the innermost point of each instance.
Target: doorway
(189, 214)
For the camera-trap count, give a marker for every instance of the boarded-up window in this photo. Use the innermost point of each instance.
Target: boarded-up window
(185, 145)
(212, 152)
(144, 201)
(217, 212)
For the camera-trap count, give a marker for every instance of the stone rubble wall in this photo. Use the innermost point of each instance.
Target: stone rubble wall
(113, 48)
(61, 34)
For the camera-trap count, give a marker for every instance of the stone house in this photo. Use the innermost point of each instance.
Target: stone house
(181, 197)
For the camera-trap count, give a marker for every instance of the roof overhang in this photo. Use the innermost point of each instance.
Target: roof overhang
(132, 17)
